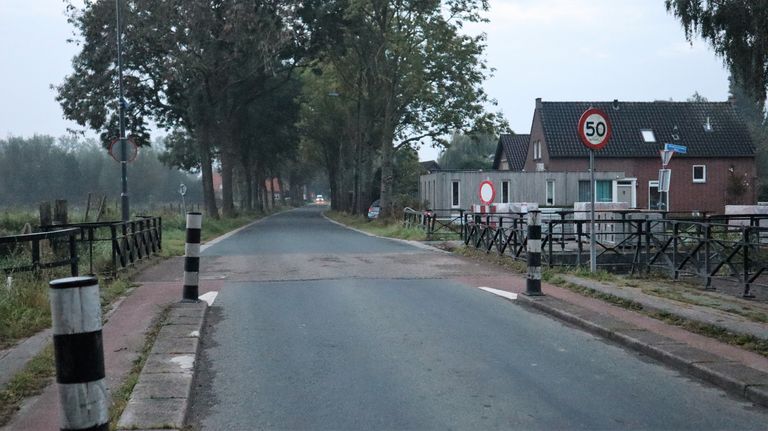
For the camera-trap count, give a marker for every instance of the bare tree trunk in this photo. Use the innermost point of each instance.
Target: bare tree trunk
(206, 166)
(227, 183)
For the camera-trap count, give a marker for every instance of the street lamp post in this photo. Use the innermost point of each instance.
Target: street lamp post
(122, 105)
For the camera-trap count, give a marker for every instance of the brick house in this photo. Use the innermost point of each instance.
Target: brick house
(510, 152)
(718, 169)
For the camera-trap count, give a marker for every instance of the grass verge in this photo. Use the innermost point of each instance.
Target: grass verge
(122, 394)
(389, 228)
(29, 382)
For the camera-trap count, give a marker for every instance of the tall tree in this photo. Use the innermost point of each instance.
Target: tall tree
(469, 152)
(190, 64)
(414, 74)
(737, 30)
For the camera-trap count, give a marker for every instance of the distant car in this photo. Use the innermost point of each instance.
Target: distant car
(319, 199)
(374, 210)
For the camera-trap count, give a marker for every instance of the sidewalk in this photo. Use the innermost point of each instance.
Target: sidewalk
(124, 335)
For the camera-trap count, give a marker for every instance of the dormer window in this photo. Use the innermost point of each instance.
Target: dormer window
(648, 135)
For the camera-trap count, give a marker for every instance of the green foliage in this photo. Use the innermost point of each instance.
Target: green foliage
(31, 381)
(42, 168)
(24, 309)
(469, 152)
(737, 30)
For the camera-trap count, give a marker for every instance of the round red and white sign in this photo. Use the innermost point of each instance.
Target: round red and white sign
(594, 129)
(487, 192)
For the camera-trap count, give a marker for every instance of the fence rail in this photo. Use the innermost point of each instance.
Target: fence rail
(710, 248)
(129, 241)
(39, 260)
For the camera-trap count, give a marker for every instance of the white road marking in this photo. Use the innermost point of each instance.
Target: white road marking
(208, 297)
(502, 293)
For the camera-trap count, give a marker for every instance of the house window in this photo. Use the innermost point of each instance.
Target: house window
(505, 192)
(603, 191)
(699, 173)
(657, 200)
(550, 192)
(648, 135)
(455, 194)
(584, 195)
(537, 150)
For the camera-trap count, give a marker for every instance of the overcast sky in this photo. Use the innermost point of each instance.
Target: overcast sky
(554, 49)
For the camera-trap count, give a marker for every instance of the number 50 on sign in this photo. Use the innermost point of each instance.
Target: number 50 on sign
(594, 129)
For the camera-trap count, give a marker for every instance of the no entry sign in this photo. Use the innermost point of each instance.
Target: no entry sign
(594, 129)
(487, 192)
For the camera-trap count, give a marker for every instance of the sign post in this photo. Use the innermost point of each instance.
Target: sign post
(594, 131)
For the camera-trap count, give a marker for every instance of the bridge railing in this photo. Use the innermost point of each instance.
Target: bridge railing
(27, 252)
(732, 249)
(128, 242)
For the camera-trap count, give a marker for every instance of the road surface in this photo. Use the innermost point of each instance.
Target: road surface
(319, 327)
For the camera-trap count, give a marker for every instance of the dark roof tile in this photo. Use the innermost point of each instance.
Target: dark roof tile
(515, 149)
(729, 136)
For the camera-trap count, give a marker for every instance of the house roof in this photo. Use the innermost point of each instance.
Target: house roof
(430, 166)
(681, 123)
(515, 148)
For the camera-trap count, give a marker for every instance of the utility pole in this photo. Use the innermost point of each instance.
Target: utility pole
(122, 105)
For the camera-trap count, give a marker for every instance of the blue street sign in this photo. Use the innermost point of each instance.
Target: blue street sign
(682, 149)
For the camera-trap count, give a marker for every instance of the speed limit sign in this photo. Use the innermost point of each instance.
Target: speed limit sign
(594, 129)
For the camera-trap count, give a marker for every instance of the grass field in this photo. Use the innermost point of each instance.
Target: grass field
(392, 228)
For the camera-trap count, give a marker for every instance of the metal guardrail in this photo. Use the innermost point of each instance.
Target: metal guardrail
(130, 241)
(39, 260)
(438, 223)
(710, 248)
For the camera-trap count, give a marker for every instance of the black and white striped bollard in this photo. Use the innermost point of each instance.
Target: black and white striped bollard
(533, 281)
(192, 256)
(79, 352)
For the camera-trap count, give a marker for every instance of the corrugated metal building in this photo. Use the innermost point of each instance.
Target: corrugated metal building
(460, 189)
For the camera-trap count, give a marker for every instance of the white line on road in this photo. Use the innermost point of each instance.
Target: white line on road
(502, 293)
(208, 297)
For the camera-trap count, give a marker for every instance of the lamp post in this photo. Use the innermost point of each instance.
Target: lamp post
(122, 106)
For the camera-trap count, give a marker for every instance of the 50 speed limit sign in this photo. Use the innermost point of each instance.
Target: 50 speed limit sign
(594, 129)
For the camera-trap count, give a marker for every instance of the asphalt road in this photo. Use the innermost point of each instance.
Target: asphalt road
(322, 328)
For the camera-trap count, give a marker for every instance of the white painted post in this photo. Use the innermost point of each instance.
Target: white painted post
(192, 257)
(79, 353)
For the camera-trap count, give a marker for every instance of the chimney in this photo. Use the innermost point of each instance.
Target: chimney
(615, 104)
(538, 103)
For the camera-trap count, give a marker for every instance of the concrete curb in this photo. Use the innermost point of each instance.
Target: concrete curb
(160, 399)
(730, 376)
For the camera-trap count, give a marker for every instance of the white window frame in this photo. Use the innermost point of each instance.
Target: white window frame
(655, 183)
(648, 135)
(457, 195)
(537, 150)
(547, 194)
(704, 171)
(505, 193)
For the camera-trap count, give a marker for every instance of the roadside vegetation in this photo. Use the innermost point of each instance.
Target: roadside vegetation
(25, 310)
(388, 227)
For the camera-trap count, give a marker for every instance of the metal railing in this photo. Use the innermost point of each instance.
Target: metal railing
(710, 248)
(438, 223)
(129, 241)
(58, 256)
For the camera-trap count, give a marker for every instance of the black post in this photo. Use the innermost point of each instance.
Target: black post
(192, 257)
(125, 212)
(533, 281)
(79, 353)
